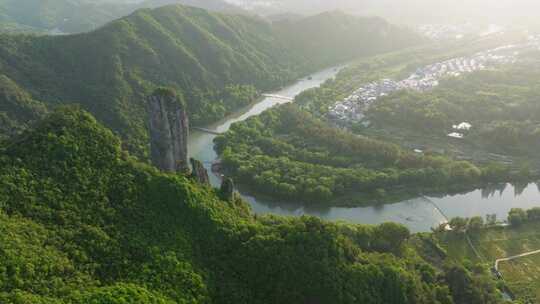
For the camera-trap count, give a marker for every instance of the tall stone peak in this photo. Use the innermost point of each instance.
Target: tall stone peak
(169, 131)
(227, 189)
(199, 172)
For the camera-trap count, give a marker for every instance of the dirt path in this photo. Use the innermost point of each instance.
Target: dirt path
(514, 257)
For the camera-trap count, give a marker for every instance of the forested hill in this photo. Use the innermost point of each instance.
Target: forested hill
(336, 35)
(17, 108)
(216, 61)
(75, 16)
(82, 222)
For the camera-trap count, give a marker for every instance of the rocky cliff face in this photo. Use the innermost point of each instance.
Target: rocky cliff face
(169, 131)
(227, 189)
(199, 173)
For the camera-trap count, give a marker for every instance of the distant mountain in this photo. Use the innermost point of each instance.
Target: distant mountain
(328, 36)
(61, 15)
(74, 16)
(217, 62)
(284, 17)
(409, 11)
(211, 5)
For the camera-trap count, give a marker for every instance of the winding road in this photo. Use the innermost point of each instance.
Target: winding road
(514, 257)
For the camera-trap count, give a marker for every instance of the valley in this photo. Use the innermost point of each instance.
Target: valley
(217, 62)
(417, 213)
(201, 153)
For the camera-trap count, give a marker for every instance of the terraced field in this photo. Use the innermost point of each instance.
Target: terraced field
(522, 275)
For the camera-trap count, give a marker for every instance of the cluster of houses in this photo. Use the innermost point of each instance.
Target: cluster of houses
(439, 32)
(352, 108)
(445, 32)
(459, 130)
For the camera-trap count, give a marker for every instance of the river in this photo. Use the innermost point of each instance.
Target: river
(419, 215)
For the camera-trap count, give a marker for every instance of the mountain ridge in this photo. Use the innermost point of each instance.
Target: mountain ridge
(217, 62)
(76, 16)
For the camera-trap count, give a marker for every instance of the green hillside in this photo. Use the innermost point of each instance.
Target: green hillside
(520, 275)
(290, 154)
(64, 15)
(17, 108)
(500, 104)
(82, 222)
(336, 35)
(75, 16)
(217, 63)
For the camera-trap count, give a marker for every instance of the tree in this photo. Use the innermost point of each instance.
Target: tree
(460, 282)
(470, 287)
(390, 237)
(476, 223)
(517, 216)
(533, 214)
(491, 219)
(458, 224)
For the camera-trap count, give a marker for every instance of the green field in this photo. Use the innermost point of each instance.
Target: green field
(522, 275)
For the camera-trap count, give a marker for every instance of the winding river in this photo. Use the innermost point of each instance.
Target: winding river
(420, 214)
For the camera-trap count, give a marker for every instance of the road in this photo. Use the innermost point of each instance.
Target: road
(514, 257)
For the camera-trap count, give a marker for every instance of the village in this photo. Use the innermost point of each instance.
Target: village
(446, 32)
(352, 108)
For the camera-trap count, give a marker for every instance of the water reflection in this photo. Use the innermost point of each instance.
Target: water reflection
(519, 187)
(475, 203)
(418, 214)
(491, 190)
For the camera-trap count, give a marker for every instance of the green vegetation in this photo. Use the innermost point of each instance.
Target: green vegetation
(501, 105)
(494, 242)
(341, 40)
(17, 108)
(216, 62)
(398, 64)
(74, 16)
(521, 276)
(294, 153)
(290, 154)
(63, 15)
(82, 222)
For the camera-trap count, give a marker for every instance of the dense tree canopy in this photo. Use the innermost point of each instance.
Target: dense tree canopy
(82, 222)
(288, 153)
(17, 108)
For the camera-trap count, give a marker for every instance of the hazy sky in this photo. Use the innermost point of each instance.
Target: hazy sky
(414, 11)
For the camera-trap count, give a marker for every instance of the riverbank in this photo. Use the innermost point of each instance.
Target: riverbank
(382, 196)
(418, 214)
(200, 144)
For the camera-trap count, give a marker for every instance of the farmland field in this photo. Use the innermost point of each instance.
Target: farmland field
(522, 275)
